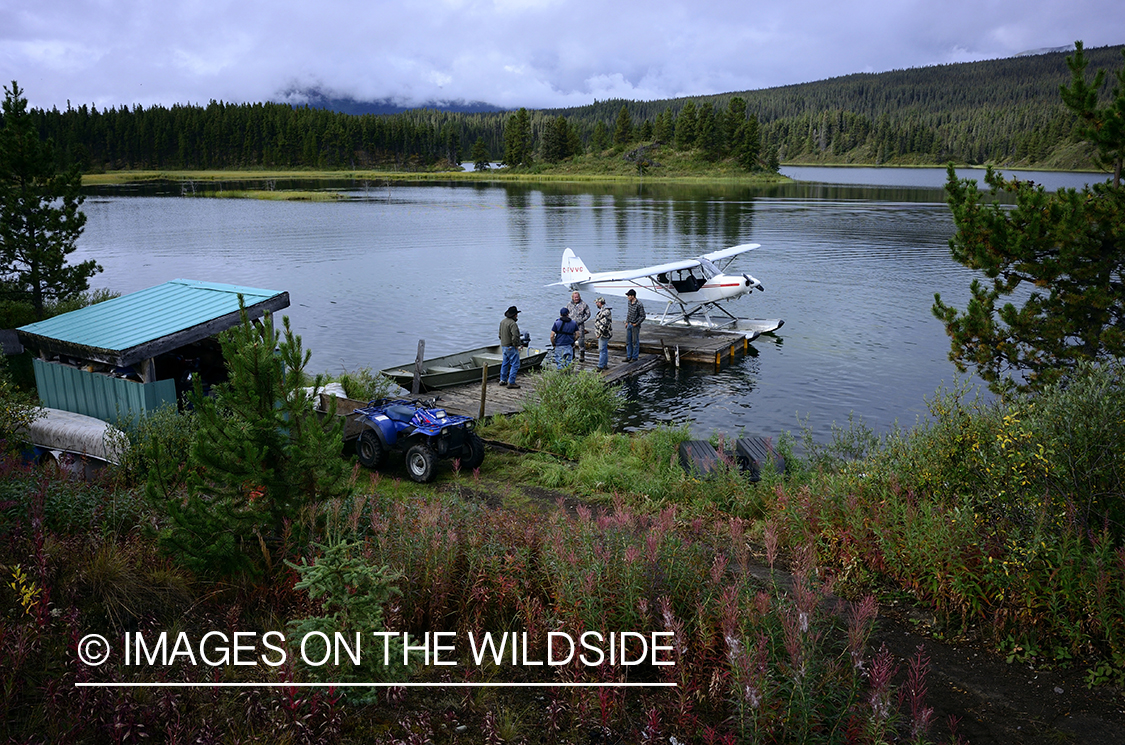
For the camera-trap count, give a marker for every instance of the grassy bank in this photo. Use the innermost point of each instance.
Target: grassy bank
(670, 167)
(1003, 521)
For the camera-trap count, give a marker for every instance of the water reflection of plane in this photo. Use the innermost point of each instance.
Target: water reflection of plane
(692, 289)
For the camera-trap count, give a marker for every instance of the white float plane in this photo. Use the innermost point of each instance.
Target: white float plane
(691, 288)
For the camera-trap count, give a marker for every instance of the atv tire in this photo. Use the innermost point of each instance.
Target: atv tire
(475, 457)
(369, 450)
(420, 462)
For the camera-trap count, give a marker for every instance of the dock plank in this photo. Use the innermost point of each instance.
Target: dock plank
(501, 401)
(659, 345)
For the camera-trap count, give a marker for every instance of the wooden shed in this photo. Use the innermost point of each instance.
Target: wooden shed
(123, 357)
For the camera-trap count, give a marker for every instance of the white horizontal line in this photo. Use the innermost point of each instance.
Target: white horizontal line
(376, 685)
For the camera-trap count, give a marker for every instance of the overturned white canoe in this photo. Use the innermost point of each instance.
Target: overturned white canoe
(64, 432)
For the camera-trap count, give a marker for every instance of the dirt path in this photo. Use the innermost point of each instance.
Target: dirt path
(997, 702)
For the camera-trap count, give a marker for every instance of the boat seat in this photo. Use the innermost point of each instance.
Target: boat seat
(442, 369)
(487, 359)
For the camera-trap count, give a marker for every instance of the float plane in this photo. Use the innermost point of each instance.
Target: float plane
(691, 288)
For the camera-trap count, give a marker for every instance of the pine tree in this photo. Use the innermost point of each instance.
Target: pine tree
(1064, 252)
(599, 141)
(557, 140)
(685, 127)
(517, 140)
(708, 137)
(1103, 126)
(623, 129)
(479, 156)
(40, 219)
(747, 144)
(261, 460)
(664, 129)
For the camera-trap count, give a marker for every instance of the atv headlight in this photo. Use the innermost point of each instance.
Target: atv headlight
(444, 431)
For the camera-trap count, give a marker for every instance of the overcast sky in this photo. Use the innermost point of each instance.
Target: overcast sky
(509, 53)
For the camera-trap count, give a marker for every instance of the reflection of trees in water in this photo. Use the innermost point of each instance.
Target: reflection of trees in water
(696, 395)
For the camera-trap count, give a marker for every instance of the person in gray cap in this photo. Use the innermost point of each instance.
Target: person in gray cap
(562, 336)
(603, 330)
(509, 348)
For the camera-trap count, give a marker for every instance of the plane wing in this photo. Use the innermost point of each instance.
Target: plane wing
(648, 271)
(726, 253)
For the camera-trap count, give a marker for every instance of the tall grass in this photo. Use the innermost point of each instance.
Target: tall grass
(1007, 517)
(566, 406)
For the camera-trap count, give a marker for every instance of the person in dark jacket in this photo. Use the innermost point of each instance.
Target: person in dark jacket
(563, 333)
(634, 317)
(510, 344)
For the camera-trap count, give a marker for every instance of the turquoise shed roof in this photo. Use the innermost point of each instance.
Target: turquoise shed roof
(143, 324)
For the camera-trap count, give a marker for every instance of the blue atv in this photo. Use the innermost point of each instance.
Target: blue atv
(421, 430)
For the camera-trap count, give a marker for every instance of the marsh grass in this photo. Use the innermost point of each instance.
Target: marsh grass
(676, 167)
(280, 195)
(566, 406)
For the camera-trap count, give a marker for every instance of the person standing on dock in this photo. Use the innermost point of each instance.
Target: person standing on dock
(634, 317)
(579, 313)
(562, 336)
(603, 330)
(509, 348)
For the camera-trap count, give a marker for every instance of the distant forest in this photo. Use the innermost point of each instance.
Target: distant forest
(1006, 112)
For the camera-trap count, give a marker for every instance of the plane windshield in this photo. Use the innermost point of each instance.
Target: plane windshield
(709, 269)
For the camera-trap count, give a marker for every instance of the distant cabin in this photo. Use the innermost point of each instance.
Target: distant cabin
(122, 358)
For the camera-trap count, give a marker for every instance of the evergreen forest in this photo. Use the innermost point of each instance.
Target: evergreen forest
(1005, 112)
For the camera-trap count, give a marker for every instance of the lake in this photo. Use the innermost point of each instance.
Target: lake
(851, 267)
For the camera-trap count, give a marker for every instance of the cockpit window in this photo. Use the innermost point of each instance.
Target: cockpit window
(709, 269)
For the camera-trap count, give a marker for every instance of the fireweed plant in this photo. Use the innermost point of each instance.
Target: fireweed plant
(775, 659)
(999, 516)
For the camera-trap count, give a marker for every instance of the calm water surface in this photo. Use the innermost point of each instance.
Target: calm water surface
(851, 268)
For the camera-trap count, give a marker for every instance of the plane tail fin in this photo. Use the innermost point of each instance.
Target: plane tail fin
(574, 270)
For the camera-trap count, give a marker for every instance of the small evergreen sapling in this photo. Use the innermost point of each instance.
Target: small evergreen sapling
(261, 459)
(354, 593)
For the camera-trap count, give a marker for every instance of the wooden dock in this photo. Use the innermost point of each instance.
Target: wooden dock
(686, 344)
(659, 345)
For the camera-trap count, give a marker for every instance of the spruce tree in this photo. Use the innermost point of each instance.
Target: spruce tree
(708, 137)
(599, 141)
(664, 127)
(734, 119)
(479, 156)
(685, 127)
(40, 219)
(517, 140)
(557, 140)
(623, 129)
(747, 144)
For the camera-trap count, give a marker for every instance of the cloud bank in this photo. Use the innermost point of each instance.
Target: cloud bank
(509, 53)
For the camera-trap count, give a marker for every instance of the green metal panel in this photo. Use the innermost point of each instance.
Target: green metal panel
(102, 396)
